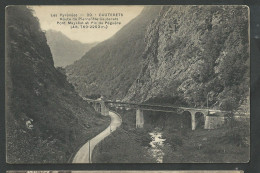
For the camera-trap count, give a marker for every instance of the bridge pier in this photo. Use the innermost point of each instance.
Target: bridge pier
(104, 109)
(193, 120)
(101, 107)
(139, 118)
(97, 106)
(213, 122)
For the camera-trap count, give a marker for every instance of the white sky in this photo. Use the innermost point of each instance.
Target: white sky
(84, 35)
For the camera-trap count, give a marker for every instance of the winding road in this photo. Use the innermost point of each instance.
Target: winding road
(85, 152)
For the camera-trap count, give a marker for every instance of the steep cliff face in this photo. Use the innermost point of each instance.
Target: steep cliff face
(195, 52)
(64, 50)
(45, 118)
(111, 67)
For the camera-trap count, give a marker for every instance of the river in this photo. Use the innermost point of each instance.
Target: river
(157, 144)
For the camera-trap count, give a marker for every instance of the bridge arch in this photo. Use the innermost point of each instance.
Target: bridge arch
(97, 106)
(186, 120)
(199, 120)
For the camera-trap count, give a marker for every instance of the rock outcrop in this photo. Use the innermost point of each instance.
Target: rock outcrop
(194, 53)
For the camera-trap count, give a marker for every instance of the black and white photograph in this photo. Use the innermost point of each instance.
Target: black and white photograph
(127, 84)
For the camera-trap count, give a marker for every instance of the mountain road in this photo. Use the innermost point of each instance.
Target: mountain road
(85, 152)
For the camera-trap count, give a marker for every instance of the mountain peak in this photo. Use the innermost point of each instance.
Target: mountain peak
(105, 68)
(64, 50)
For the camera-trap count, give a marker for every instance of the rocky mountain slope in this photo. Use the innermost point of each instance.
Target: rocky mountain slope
(111, 67)
(64, 50)
(195, 52)
(46, 121)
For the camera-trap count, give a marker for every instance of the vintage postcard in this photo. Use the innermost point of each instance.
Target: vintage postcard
(128, 84)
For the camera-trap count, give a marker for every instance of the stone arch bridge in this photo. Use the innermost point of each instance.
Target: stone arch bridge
(210, 122)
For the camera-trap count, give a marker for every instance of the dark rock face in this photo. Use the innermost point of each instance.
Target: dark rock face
(111, 67)
(45, 118)
(64, 50)
(195, 51)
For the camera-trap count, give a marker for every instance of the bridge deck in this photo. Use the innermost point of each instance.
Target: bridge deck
(152, 106)
(165, 106)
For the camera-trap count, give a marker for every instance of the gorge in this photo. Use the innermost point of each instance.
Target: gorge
(177, 56)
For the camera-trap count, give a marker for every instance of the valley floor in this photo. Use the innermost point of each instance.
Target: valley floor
(126, 145)
(207, 146)
(229, 143)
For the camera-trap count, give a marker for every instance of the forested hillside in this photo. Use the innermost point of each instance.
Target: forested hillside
(187, 53)
(111, 67)
(196, 52)
(46, 121)
(64, 50)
